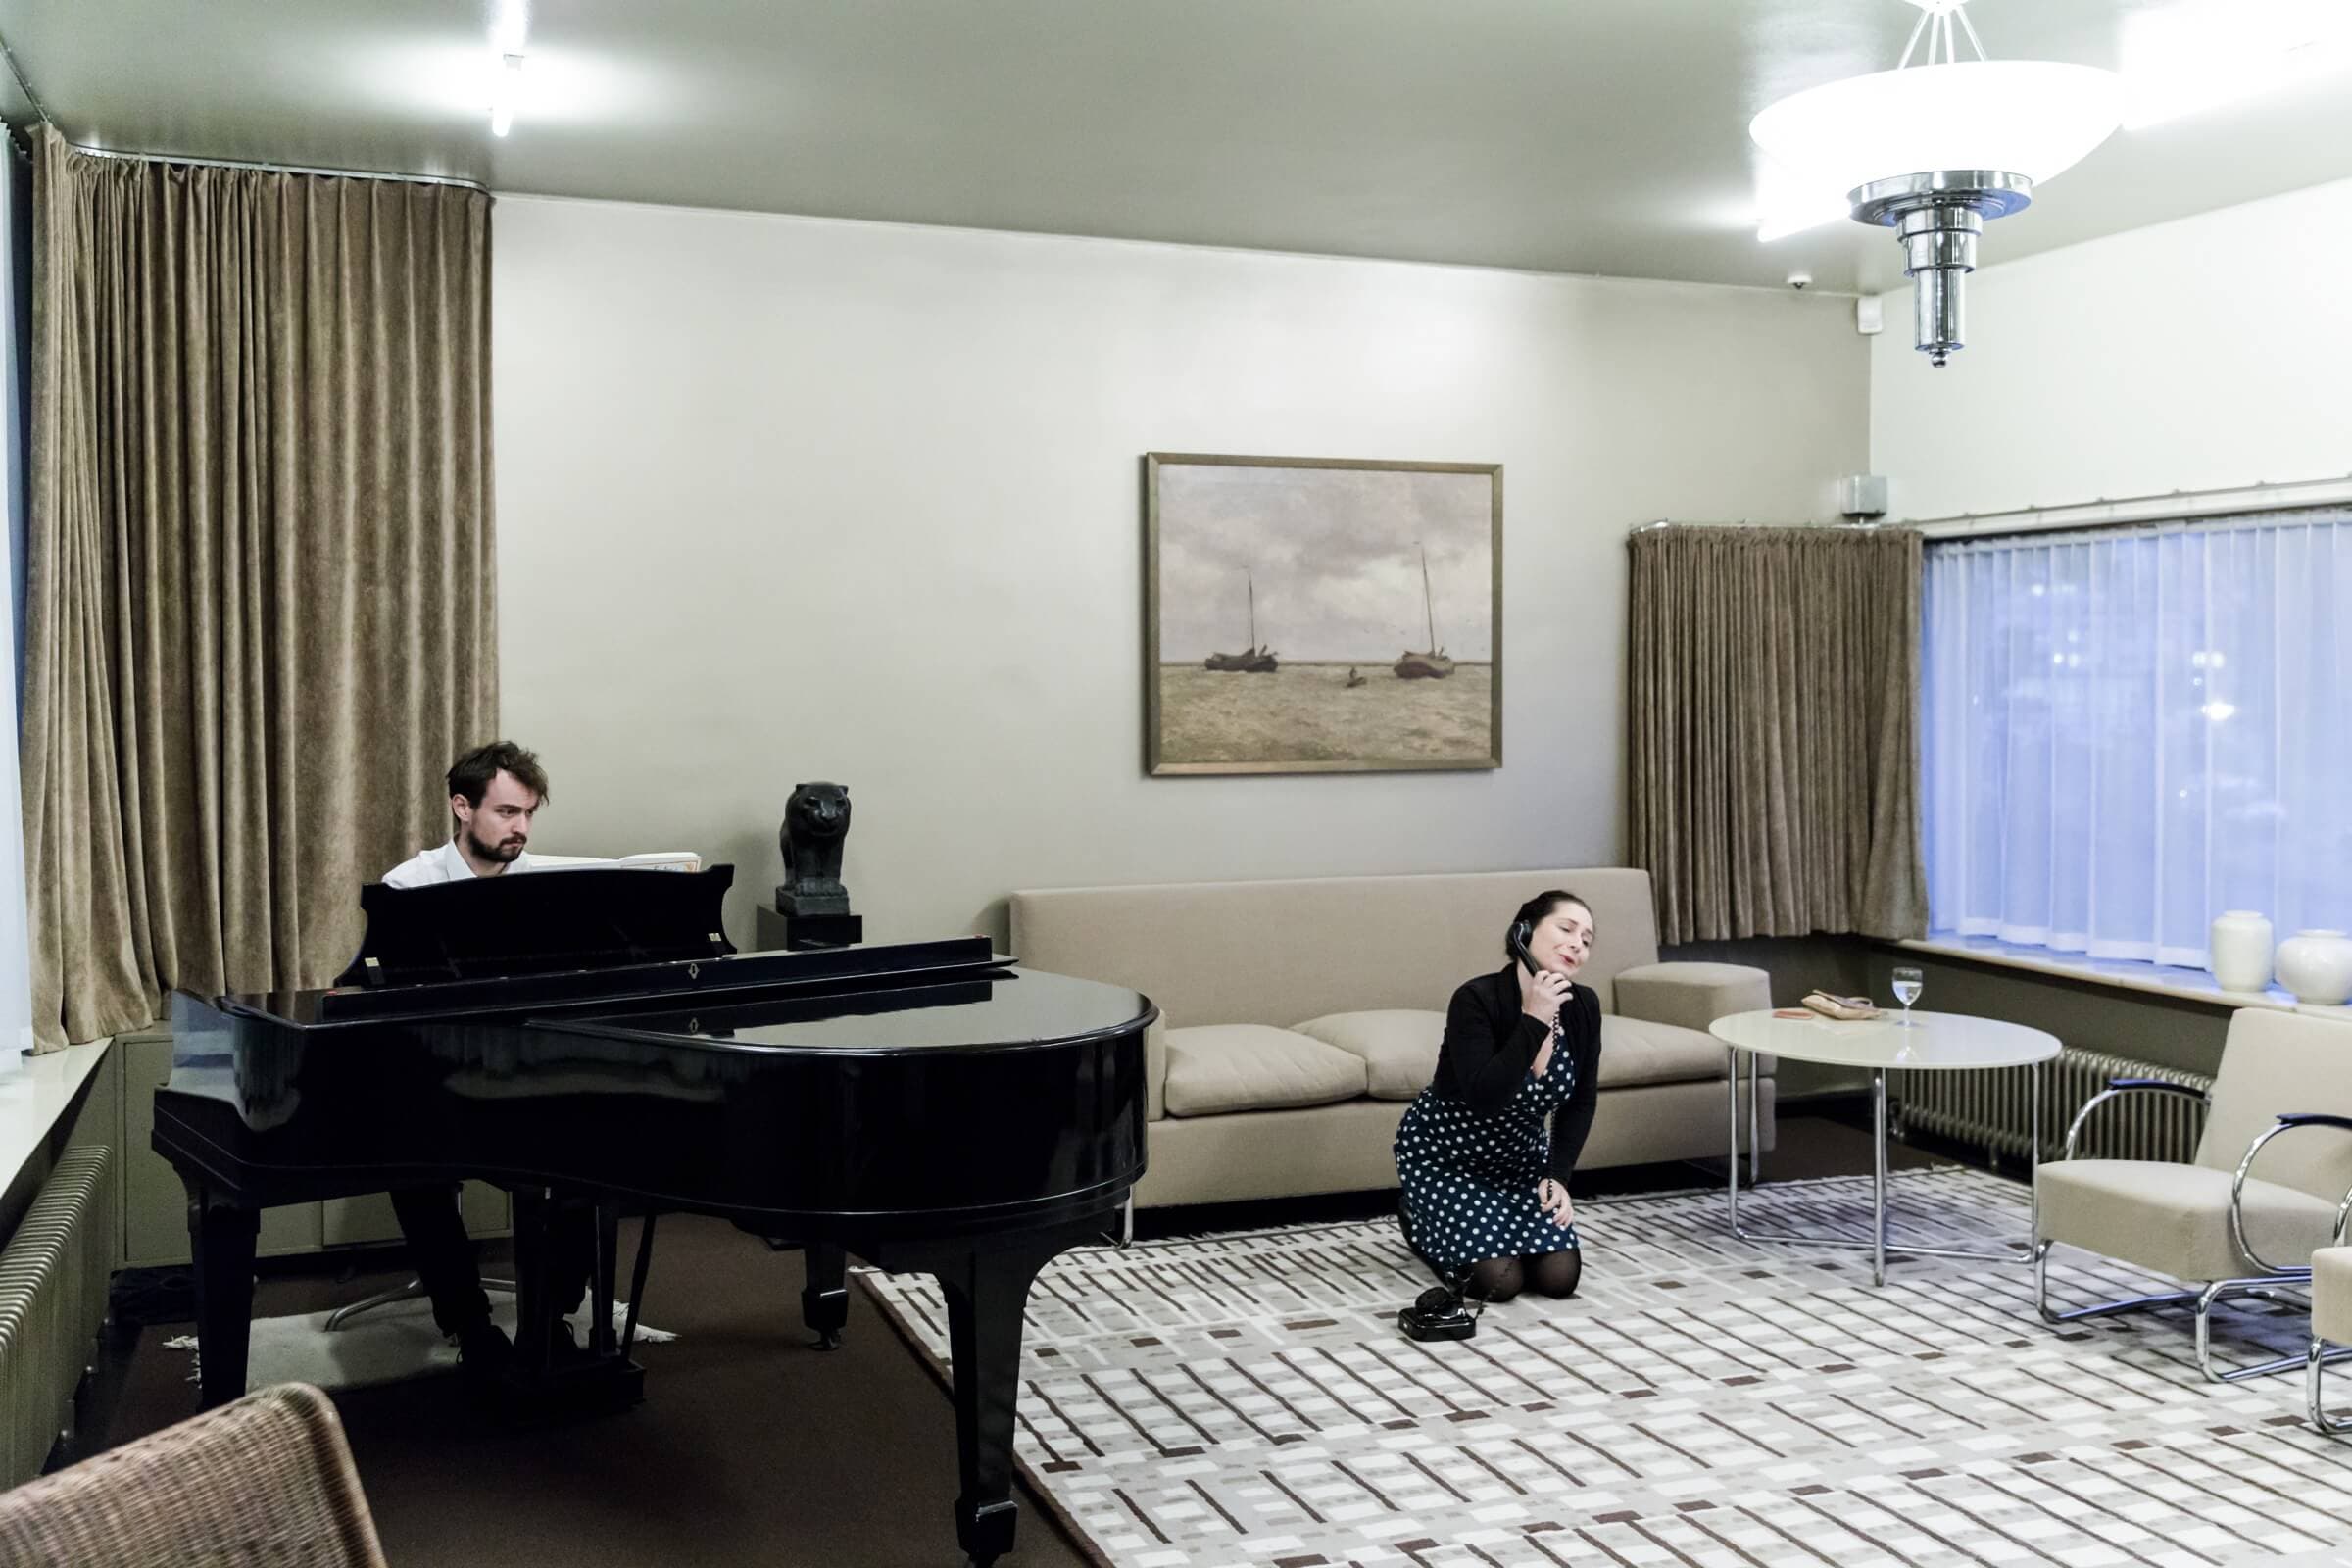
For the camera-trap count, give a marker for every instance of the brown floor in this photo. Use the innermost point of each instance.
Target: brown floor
(749, 1447)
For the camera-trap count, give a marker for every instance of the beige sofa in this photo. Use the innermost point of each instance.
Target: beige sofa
(1299, 1017)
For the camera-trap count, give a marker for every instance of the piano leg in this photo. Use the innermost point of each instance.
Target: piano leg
(552, 1232)
(825, 1293)
(222, 1235)
(602, 1279)
(986, 1292)
(534, 1305)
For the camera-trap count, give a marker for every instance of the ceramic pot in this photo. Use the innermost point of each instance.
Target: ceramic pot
(2238, 952)
(2317, 966)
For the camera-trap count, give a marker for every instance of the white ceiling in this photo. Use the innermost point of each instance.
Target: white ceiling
(1603, 137)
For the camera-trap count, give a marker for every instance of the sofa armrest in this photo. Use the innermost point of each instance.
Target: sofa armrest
(1155, 1069)
(1691, 995)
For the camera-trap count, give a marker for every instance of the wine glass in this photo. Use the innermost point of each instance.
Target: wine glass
(1908, 983)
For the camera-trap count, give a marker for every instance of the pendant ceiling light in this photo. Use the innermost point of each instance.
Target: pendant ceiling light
(1931, 151)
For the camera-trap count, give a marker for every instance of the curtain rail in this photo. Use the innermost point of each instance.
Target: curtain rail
(2126, 512)
(1751, 522)
(2122, 512)
(281, 169)
(2232, 521)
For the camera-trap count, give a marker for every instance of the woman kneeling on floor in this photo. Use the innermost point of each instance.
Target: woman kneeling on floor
(1485, 1181)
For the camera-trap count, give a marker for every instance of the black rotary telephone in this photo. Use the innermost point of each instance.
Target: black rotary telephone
(1438, 1313)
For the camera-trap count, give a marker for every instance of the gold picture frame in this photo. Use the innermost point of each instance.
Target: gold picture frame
(1312, 568)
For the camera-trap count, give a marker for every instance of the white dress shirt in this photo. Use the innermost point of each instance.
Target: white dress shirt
(443, 865)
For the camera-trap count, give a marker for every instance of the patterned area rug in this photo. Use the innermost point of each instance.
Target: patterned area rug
(1246, 1399)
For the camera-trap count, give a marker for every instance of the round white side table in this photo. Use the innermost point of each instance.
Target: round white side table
(1933, 1042)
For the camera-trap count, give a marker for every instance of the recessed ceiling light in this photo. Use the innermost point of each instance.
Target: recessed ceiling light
(508, 30)
(506, 95)
(511, 25)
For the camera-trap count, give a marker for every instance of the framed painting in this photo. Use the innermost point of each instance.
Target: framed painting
(1321, 615)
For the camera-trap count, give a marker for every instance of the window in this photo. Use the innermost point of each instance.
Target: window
(2127, 732)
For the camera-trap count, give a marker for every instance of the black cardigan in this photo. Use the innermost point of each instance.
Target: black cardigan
(1491, 1046)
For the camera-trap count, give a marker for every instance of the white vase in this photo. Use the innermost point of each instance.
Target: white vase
(2238, 952)
(2317, 966)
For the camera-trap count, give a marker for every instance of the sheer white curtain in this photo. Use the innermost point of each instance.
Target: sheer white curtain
(2127, 732)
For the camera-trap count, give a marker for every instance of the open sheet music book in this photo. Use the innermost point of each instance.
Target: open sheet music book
(643, 860)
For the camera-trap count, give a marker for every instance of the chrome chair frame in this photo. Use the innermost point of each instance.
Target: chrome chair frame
(2259, 1287)
(2318, 1354)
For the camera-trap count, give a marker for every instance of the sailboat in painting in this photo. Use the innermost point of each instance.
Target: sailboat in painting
(1434, 664)
(1257, 660)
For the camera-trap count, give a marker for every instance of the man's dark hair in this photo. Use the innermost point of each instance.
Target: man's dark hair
(470, 774)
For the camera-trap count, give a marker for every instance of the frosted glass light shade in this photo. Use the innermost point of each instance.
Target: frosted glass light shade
(2034, 117)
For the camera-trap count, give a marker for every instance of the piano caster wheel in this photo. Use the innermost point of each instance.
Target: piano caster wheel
(986, 1534)
(828, 1340)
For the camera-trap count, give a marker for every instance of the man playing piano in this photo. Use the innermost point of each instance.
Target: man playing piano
(494, 792)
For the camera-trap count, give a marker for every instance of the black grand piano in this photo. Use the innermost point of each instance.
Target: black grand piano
(589, 1038)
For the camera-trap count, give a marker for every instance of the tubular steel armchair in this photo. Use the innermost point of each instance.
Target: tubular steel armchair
(2214, 1220)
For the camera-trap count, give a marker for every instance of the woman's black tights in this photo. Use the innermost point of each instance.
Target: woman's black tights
(1554, 1274)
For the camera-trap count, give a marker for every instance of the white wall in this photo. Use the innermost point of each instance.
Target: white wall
(2213, 350)
(785, 499)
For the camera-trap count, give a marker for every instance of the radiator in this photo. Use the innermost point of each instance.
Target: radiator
(53, 1297)
(1995, 1109)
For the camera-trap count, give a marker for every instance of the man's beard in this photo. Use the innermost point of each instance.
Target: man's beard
(492, 851)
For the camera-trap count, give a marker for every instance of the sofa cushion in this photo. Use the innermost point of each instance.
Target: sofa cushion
(2174, 1219)
(1214, 1068)
(1635, 1050)
(1400, 1050)
(1398, 1046)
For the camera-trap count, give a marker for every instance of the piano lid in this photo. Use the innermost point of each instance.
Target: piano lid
(629, 985)
(500, 927)
(1002, 1010)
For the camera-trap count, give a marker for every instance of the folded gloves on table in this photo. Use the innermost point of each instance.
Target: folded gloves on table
(1829, 1006)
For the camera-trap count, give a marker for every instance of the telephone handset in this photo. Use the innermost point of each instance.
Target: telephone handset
(1520, 932)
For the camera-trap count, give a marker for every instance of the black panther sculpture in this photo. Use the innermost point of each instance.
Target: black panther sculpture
(816, 818)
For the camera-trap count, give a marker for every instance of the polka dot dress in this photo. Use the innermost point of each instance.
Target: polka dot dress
(1470, 1177)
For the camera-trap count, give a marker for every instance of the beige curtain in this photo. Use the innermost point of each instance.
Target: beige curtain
(1773, 758)
(260, 616)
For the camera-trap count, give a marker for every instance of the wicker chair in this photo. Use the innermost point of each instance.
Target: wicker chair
(267, 1479)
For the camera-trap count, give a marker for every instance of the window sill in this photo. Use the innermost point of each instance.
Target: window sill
(2188, 985)
(36, 1098)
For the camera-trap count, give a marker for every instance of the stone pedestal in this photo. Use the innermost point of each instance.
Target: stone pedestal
(774, 930)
